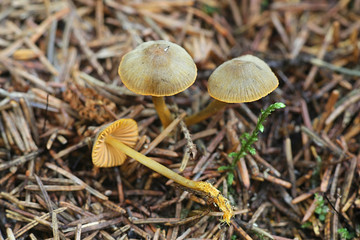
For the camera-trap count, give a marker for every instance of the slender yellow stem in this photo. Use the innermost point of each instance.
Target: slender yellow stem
(207, 112)
(148, 162)
(162, 110)
(203, 187)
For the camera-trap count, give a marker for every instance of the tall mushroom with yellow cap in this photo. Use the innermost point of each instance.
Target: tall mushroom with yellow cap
(243, 79)
(115, 141)
(158, 68)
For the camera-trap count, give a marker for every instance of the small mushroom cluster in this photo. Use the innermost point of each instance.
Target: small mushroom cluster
(161, 68)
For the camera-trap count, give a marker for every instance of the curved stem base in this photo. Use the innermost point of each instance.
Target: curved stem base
(207, 112)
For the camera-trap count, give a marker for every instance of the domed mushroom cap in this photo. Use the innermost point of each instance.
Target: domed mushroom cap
(157, 68)
(243, 79)
(103, 153)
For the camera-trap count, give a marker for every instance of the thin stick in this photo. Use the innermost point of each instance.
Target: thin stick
(322, 63)
(163, 134)
(289, 160)
(345, 105)
(348, 180)
(76, 180)
(327, 40)
(18, 161)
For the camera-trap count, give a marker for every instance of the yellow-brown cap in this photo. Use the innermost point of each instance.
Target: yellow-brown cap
(243, 79)
(103, 153)
(157, 68)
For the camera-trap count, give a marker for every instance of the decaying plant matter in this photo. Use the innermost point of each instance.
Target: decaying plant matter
(59, 84)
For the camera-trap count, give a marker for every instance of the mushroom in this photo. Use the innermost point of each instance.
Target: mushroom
(115, 141)
(243, 79)
(158, 68)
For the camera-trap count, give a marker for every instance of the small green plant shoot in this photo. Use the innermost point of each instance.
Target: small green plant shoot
(247, 140)
(321, 209)
(345, 234)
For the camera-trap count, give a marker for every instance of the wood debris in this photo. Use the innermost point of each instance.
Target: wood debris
(59, 84)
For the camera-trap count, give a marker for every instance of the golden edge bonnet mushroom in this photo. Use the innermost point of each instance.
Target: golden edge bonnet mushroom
(111, 148)
(158, 68)
(243, 79)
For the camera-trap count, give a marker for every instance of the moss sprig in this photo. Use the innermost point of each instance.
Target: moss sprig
(247, 140)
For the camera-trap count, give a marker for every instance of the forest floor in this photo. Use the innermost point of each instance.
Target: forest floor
(59, 84)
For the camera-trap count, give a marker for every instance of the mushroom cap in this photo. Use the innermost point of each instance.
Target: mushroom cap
(157, 68)
(103, 153)
(242, 79)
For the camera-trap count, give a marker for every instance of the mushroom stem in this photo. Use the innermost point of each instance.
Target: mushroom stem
(198, 186)
(162, 110)
(148, 162)
(210, 110)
